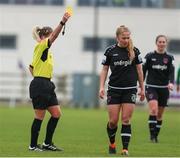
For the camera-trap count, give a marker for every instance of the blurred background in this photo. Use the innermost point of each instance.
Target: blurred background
(79, 53)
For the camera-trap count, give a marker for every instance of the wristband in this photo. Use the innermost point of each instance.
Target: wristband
(62, 23)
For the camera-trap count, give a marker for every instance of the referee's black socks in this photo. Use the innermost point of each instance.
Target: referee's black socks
(152, 125)
(35, 128)
(125, 135)
(52, 123)
(111, 133)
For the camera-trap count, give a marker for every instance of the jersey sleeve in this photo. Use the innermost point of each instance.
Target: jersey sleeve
(138, 59)
(107, 59)
(145, 65)
(171, 70)
(44, 44)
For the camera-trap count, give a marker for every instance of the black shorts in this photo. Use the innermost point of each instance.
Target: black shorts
(119, 96)
(42, 93)
(159, 94)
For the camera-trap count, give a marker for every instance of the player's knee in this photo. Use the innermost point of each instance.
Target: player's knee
(113, 123)
(153, 111)
(56, 114)
(39, 116)
(125, 119)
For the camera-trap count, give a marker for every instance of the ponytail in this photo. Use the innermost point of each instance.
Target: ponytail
(35, 34)
(130, 49)
(38, 32)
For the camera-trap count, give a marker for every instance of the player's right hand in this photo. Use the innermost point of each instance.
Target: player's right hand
(101, 93)
(178, 88)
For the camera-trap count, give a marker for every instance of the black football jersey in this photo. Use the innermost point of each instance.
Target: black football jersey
(160, 69)
(123, 70)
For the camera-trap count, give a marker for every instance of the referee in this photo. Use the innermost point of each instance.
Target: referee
(159, 80)
(124, 61)
(42, 88)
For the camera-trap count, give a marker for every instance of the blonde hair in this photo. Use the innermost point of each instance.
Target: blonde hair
(121, 29)
(38, 32)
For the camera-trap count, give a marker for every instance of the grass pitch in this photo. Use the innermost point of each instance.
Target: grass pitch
(82, 133)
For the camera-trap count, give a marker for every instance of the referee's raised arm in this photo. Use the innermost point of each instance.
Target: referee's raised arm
(58, 29)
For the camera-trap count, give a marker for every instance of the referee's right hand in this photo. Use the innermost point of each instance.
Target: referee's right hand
(101, 93)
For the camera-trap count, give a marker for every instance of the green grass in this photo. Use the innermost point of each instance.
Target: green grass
(82, 133)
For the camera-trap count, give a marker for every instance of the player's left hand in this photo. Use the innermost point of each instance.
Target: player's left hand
(65, 17)
(141, 94)
(170, 86)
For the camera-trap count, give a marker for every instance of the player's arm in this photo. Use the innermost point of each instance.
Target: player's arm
(103, 77)
(58, 29)
(178, 80)
(31, 69)
(104, 72)
(171, 76)
(145, 67)
(141, 81)
(138, 62)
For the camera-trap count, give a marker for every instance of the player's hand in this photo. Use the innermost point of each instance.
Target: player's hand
(101, 93)
(65, 17)
(141, 94)
(178, 88)
(170, 86)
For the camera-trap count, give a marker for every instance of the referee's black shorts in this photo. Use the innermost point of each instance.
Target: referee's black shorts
(42, 93)
(159, 94)
(119, 96)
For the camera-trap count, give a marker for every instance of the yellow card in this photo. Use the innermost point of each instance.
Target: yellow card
(69, 9)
